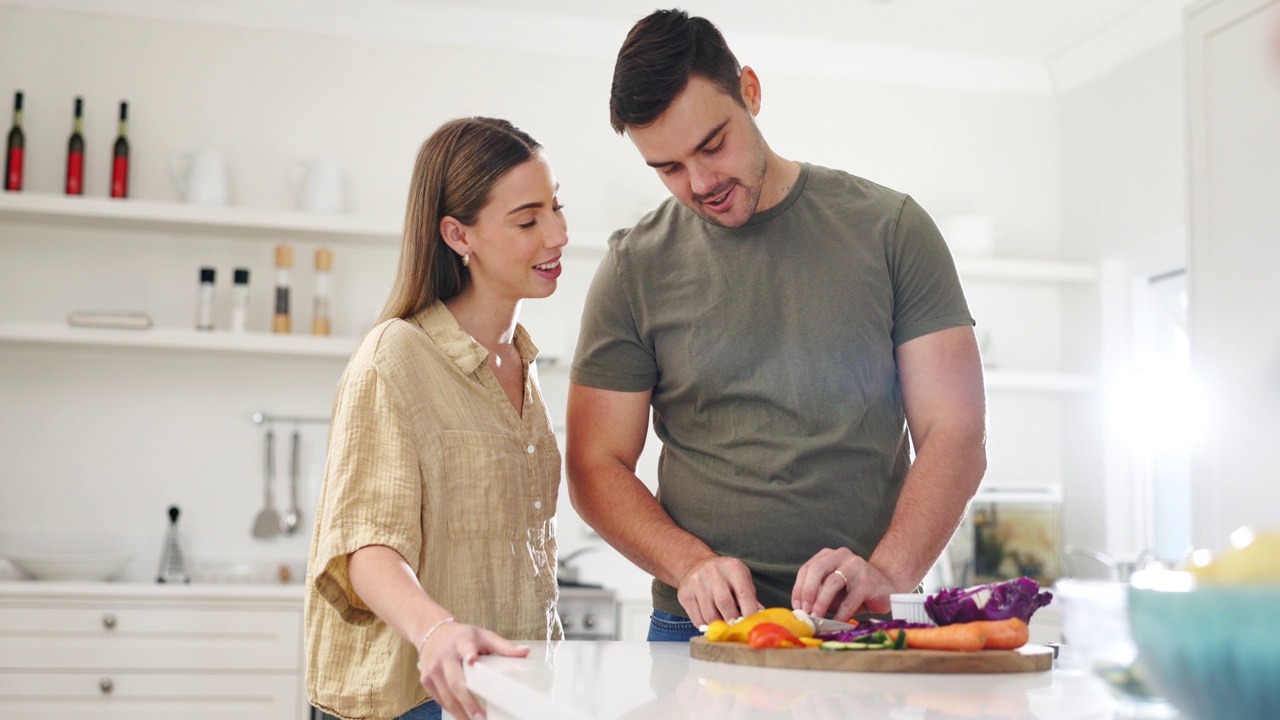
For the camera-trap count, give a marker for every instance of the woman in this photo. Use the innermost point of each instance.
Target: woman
(434, 538)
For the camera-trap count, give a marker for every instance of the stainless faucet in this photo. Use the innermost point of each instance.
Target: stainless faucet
(1120, 570)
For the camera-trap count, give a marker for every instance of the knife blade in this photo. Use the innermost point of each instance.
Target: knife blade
(824, 626)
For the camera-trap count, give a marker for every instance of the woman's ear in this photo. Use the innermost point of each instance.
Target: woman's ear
(455, 235)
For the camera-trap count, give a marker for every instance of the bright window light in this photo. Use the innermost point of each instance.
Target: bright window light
(1157, 408)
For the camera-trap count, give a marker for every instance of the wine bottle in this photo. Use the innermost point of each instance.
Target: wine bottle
(75, 152)
(120, 157)
(17, 143)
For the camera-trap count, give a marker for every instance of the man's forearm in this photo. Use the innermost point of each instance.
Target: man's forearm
(618, 506)
(938, 488)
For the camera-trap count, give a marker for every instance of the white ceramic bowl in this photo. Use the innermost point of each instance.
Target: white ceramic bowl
(70, 566)
(909, 607)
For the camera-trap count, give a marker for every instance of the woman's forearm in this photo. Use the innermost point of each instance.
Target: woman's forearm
(387, 584)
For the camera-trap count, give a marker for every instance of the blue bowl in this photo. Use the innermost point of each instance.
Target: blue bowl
(1213, 651)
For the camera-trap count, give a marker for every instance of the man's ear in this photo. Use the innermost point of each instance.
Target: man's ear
(749, 86)
(455, 235)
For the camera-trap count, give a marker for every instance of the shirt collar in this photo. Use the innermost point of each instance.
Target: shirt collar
(461, 348)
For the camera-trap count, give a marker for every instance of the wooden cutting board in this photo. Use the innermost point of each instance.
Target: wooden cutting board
(1029, 658)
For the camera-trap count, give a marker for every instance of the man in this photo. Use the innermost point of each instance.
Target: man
(788, 324)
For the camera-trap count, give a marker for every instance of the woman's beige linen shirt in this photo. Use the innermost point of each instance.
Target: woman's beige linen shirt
(428, 456)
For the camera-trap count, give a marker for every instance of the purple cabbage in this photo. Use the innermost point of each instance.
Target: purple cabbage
(1018, 598)
(870, 627)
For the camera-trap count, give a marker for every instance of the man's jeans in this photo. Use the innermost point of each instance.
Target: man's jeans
(665, 627)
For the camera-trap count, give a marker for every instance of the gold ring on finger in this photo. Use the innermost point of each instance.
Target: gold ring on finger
(842, 577)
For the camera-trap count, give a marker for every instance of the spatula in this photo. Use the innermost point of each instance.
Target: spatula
(267, 523)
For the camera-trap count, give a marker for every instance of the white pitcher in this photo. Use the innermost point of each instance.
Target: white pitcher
(317, 184)
(201, 177)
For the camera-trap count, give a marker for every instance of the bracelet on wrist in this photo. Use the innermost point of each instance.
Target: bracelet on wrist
(427, 635)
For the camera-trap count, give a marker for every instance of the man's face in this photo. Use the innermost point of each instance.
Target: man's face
(708, 151)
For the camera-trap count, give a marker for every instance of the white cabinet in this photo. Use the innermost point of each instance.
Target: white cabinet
(138, 651)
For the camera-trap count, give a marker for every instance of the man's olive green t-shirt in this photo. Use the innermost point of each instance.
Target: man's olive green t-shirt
(769, 349)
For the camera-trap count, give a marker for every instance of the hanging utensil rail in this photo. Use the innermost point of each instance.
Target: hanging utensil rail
(260, 418)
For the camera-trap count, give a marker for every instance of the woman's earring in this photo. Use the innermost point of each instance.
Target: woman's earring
(466, 260)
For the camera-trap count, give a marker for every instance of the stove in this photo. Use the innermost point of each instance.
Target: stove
(588, 612)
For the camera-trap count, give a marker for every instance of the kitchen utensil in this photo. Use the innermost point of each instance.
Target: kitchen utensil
(69, 566)
(289, 520)
(201, 177)
(173, 569)
(267, 523)
(823, 626)
(1029, 658)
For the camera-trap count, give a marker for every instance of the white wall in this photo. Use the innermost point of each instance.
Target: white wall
(1234, 79)
(1123, 196)
(105, 440)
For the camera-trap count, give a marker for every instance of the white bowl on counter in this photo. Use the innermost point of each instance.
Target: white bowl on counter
(909, 607)
(70, 566)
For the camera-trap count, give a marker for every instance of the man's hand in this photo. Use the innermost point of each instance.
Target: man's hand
(718, 588)
(838, 578)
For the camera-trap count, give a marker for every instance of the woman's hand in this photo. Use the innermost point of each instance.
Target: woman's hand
(440, 661)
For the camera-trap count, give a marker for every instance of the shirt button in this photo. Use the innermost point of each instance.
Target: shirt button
(530, 449)
(537, 504)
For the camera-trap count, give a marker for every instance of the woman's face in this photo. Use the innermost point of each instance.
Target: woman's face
(516, 241)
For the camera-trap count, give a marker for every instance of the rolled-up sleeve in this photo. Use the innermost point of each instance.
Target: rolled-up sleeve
(372, 477)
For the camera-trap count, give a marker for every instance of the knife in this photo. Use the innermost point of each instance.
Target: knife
(824, 626)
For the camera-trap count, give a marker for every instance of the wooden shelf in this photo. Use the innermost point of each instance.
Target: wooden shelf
(1038, 381)
(253, 343)
(1014, 270)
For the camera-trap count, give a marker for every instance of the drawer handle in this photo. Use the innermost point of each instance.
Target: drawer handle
(109, 621)
(106, 686)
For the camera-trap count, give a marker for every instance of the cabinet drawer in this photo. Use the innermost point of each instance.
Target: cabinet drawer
(264, 696)
(107, 637)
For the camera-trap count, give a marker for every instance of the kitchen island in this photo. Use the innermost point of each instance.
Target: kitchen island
(604, 680)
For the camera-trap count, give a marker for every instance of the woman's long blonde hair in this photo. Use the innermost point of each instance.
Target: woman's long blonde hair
(456, 169)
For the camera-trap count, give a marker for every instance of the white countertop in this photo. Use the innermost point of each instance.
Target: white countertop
(599, 680)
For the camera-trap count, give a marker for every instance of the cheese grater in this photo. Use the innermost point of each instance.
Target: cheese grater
(172, 567)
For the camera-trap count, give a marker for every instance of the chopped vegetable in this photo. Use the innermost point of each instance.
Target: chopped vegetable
(834, 645)
(771, 635)
(1018, 598)
(1008, 634)
(957, 637)
(870, 628)
(740, 631)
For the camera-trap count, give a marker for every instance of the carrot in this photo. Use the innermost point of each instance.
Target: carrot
(1008, 634)
(960, 636)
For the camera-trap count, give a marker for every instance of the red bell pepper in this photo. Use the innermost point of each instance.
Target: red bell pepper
(770, 635)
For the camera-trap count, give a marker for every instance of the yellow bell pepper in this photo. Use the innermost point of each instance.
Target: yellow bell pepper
(721, 631)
